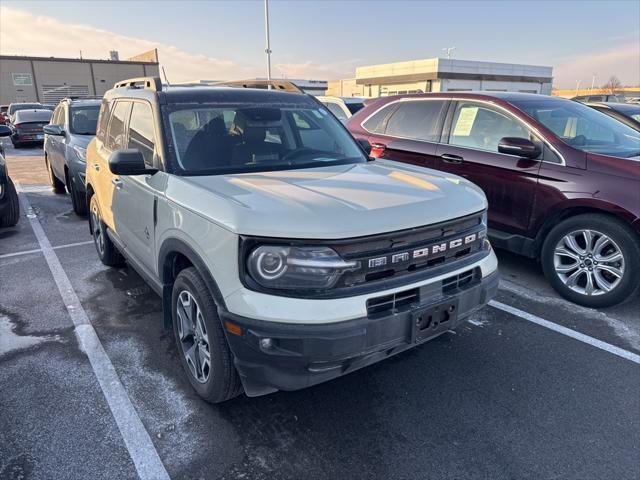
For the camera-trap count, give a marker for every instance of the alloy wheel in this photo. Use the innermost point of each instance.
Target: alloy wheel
(589, 262)
(193, 335)
(98, 235)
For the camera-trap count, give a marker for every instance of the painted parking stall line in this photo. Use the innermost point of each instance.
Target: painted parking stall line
(581, 337)
(136, 438)
(37, 250)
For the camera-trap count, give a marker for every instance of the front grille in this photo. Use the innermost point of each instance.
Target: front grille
(393, 303)
(458, 282)
(395, 255)
(399, 301)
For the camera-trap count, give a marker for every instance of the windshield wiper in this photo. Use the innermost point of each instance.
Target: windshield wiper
(634, 154)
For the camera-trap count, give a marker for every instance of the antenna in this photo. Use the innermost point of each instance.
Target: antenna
(267, 50)
(165, 76)
(449, 50)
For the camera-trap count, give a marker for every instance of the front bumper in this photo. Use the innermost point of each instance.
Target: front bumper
(272, 356)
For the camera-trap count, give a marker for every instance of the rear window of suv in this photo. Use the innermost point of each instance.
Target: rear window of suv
(217, 139)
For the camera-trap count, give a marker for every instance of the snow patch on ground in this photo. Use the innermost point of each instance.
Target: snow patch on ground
(11, 341)
(629, 333)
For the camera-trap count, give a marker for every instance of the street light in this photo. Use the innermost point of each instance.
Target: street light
(268, 43)
(449, 50)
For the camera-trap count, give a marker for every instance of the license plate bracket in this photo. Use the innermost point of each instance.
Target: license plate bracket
(430, 321)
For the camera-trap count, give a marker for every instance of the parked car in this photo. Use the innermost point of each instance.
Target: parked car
(627, 113)
(27, 126)
(612, 98)
(562, 180)
(72, 127)
(9, 205)
(15, 107)
(634, 100)
(342, 107)
(283, 255)
(3, 114)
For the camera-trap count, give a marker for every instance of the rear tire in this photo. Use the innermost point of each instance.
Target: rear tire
(56, 185)
(202, 345)
(592, 252)
(11, 217)
(107, 251)
(78, 199)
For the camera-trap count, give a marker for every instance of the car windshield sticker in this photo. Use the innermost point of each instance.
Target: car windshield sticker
(465, 121)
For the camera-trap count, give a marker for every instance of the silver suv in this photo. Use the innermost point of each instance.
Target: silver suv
(283, 254)
(72, 127)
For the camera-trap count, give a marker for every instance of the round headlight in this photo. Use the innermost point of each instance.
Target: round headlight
(269, 264)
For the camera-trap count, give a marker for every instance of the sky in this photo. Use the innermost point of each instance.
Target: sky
(220, 40)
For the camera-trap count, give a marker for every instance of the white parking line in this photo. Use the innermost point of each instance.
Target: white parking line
(136, 438)
(36, 250)
(581, 337)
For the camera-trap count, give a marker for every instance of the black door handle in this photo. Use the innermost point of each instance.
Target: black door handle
(451, 158)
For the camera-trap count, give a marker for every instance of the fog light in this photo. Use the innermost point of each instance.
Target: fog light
(266, 343)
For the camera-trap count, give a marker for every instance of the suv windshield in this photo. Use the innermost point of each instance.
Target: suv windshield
(583, 127)
(84, 120)
(212, 139)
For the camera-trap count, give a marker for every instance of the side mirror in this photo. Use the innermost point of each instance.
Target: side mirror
(4, 131)
(129, 162)
(365, 145)
(522, 147)
(56, 130)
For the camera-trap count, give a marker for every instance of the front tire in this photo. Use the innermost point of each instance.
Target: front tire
(78, 199)
(11, 217)
(592, 260)
(107, 251)
(202, 346)
(56, 185)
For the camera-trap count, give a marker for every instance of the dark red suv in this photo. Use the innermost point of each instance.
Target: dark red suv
(562, 179)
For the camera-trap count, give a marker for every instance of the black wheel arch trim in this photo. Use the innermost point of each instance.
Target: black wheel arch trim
(174, 245)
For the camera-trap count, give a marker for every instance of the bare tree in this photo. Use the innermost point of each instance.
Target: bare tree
(613, 85)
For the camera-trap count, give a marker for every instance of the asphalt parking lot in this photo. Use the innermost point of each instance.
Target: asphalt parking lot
(506, 396)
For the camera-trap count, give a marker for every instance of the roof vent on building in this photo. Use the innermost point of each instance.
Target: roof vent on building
(114, 55)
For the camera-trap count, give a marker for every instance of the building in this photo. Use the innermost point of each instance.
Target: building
(48, 79)
(443, 75)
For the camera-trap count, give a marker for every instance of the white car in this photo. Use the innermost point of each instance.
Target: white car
(343, 107)
(283, 254)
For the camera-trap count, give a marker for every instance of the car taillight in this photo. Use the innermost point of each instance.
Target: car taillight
(377, 150)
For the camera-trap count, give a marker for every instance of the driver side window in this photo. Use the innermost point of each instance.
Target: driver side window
(476, 126)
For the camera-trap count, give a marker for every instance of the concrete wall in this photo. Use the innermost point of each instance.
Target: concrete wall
(54, 79)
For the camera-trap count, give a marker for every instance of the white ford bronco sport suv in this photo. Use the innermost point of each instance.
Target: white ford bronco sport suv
(284, 256)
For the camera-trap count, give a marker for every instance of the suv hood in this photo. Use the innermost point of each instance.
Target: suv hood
(328, 202)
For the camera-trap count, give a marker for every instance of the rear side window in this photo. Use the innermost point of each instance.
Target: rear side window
(116, 134)
(103, 120)
(375, 123)
(141, 131)
(417, 120)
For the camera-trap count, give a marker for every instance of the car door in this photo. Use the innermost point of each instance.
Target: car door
(116, 139)
(55, 144)
(412, 131)
(470, 149)
(135, 196)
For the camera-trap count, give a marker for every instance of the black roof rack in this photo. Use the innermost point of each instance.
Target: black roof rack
(148, 83)
(281, 85)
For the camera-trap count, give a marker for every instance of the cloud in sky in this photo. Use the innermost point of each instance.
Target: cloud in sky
(622, 61)
(23, 33)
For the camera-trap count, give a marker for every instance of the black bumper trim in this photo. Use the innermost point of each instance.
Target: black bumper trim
(301, 355)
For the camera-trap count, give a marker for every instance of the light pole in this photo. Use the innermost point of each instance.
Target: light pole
(449, 50)
(266, 34)
(593, 82)
(578, 86)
